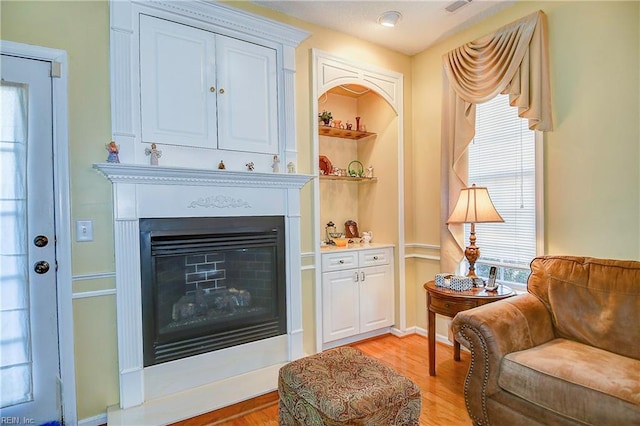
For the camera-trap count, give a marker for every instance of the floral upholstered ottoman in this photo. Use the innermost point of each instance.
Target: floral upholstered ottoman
(343, 386)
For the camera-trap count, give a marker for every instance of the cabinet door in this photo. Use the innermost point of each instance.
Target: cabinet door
(376, 297)
(247, 96)
(340, 311)
(177, 65)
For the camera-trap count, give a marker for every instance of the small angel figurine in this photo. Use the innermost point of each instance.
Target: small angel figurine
(153, 154)
(113, 151)
(276, 164)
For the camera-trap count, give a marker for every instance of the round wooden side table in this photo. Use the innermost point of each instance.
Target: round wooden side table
(447, 302)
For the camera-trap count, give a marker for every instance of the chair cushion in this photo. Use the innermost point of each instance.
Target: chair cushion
(344, 386)
(580, 381)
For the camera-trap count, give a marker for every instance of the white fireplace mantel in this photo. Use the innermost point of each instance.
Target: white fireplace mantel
(140, 174)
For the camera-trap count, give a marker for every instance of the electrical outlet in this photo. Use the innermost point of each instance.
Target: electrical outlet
(84, 230)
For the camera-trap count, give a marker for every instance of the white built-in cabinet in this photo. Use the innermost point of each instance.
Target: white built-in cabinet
(357, 291)
(206, 90)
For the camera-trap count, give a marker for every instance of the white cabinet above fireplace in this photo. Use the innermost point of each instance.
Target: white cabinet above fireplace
(207, 90)
(205, 82)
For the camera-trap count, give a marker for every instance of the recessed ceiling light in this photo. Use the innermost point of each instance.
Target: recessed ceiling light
(389, 19)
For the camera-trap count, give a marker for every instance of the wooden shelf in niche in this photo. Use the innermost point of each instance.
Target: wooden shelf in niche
(342, 133)
(349, 178)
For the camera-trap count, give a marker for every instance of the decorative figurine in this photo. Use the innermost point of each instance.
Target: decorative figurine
(153, 154)
(369, 172)
(221, 165)
(276, 164)
(250, 166)
(349, 126)
(113, 151)
(358, 124)
(291, 168)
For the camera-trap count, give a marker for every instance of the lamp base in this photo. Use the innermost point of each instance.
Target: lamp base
(472, 253)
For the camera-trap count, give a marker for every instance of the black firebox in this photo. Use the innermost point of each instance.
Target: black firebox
(210, 283)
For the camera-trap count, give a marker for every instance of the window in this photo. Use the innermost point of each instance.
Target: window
(503, 157)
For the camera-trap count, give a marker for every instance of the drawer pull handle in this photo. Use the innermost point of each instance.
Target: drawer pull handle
(356, 277)
(375, 257)
(446, 305)
(341, 261)
(362, 276)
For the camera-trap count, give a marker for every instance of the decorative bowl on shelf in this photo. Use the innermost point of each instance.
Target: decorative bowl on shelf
(341, 242)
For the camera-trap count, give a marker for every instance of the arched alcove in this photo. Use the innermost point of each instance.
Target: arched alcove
(349, 90)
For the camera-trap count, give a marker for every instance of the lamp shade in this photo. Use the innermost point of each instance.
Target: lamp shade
(474, 206)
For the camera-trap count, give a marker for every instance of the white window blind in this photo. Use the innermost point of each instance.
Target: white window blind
(502, 157)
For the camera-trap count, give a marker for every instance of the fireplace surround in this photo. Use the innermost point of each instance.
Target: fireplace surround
(204, 382)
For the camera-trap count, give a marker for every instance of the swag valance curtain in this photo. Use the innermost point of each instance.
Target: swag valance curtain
(513, 60)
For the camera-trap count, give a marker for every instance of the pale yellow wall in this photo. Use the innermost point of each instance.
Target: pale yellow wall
(591, 158)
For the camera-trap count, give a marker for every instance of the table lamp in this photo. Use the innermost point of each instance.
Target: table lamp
(474, 206)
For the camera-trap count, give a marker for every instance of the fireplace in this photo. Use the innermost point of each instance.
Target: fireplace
(210, 283)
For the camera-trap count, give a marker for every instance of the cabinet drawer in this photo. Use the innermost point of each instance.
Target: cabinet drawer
(375, 257)
(339, 261)
(449, 307)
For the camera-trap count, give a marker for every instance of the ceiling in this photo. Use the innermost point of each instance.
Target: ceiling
(423, 22)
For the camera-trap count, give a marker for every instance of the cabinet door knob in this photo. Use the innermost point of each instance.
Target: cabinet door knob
(341, 261)
(375, 257)
(212, 89)
(221, 91)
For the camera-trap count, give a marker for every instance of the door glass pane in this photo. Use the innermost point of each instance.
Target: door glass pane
(15, 342)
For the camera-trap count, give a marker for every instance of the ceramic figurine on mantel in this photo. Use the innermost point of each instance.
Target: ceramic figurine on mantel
(221, 165)
(113, 151)
(276, 164)
(250, 166)
(153, 154)
(291, 168)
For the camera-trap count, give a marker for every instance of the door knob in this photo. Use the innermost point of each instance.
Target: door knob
(40, 241)
(41, 267)
(221, 91)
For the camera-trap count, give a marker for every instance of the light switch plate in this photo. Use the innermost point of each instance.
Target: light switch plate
(84, 230)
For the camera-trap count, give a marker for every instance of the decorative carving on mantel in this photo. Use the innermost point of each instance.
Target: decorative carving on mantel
(158, 175)
(219, 202)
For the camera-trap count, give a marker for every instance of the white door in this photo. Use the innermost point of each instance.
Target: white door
(29, 354)
(376, 298)
(247, 96)
(340, 304)
(177, 84)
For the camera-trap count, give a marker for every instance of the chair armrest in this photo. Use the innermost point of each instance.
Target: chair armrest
(490, 332)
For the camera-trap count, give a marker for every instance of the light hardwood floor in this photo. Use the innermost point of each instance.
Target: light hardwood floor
(442, 395)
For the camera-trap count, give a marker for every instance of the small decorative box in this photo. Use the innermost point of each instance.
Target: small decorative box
(459, 283)
(442, 280)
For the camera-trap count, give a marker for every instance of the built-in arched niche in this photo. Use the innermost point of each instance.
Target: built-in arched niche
(349, 90)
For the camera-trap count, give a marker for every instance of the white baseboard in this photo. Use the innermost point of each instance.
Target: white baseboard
(100, 419)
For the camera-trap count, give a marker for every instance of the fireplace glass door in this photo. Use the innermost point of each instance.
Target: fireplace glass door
(210, 283)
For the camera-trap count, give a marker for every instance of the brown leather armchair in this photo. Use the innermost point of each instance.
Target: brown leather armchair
(566, 353)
